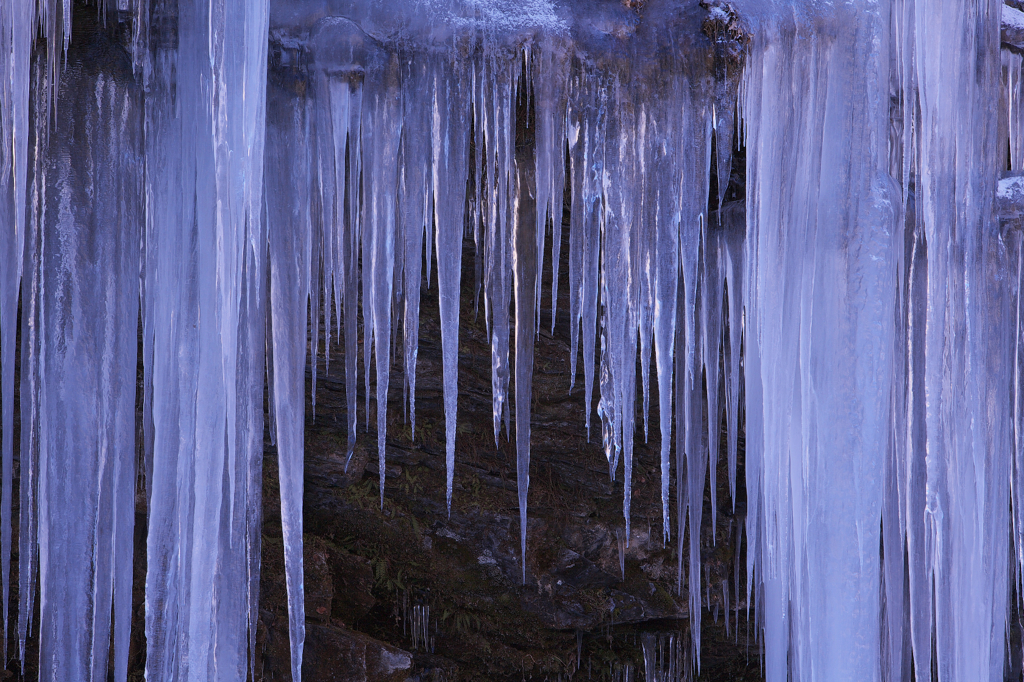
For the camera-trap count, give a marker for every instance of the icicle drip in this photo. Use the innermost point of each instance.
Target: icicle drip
(693, 145)
(711, 334)
(450, 136)
(85, 297)
(53, 19)
(550, 81)
(820, 340)
(588, 119)
(527, 255)
(620, 286)
(416, 206)
(28, 557)
(289, 236)
(495, 118)
(383, 125)
(731, 221)
(204, 252)
(341, 113)
(962, 360)
(665, 659)
(1013, 69)
(17, 20)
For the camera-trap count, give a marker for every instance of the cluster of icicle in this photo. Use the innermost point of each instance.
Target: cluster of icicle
(882, 343)
(136, 191)
(867, 308)
(638, 157)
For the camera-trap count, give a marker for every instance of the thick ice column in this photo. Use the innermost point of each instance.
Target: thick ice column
(1013, 74)
(965, 356)
(822, 213)
(204, 278)
(16, 22)
(85, 294)
(28, 547)
(169, 306)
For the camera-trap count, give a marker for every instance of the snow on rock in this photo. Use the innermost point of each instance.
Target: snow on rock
(1012, 28)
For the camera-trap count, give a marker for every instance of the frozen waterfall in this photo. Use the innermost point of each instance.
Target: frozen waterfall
(240, 184)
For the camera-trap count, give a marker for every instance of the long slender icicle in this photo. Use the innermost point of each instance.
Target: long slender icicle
(289, 231)
(450, 135)
(525, 264)
(383, 126)
(415, 201)
(549, 96)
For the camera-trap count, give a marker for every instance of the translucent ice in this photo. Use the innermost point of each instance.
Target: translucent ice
(853, 320)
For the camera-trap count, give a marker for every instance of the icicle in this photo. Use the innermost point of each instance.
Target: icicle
(577, 159)
(731, 221)
(204, 249)
(450, 133)
(820, 341)
(415, 202)
(681, 433)
(1013, 65)
(711, 328)
(28, 558)
(289, 232)
(87, 305)
(965, 340)
(644, 251)
(663, 209)
(526, 258)
(382, 128)
(550, 82)
(587, 154)
(17, 20)
(339, 105)
(497, 121)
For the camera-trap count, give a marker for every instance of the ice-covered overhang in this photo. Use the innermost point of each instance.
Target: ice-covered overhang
(1012, 29)
(608, 32)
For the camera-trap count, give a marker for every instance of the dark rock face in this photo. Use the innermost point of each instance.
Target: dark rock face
(335, 654)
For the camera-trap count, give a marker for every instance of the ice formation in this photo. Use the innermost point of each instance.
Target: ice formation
(857, 318)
